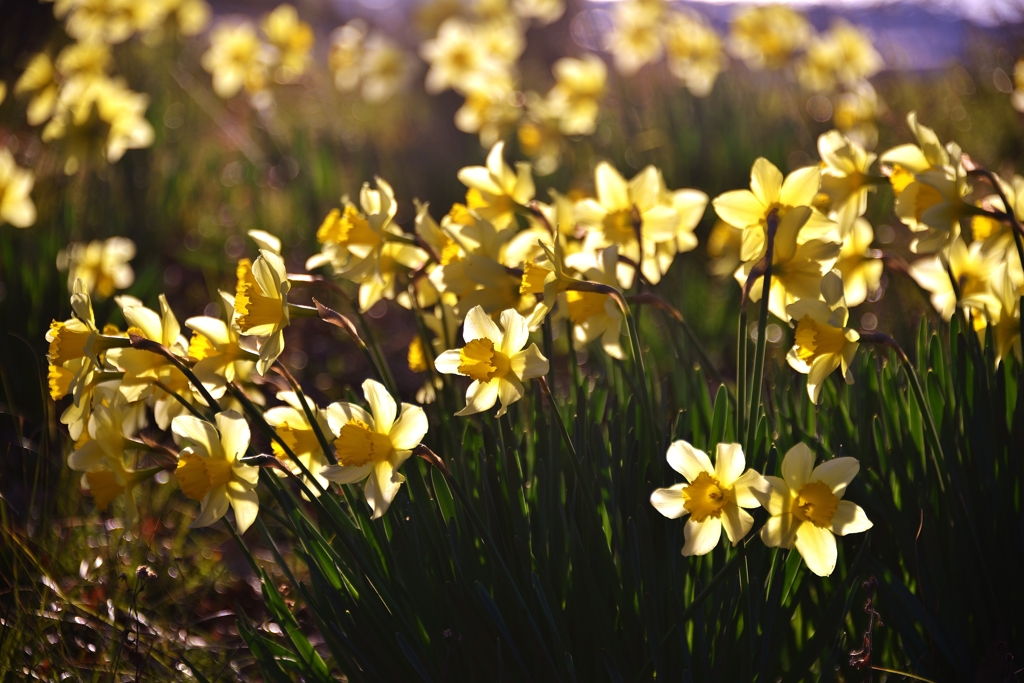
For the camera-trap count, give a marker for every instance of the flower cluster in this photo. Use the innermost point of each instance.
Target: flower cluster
(806, 505)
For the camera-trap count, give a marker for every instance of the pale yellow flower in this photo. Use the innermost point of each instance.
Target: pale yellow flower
(89, 59)
(143, 369)
(237, 59)
(261, 305)
(845, 178)
(749, 209)
(841, 56)
(293, 39)
(797, 267)
(102, 266)
(854, 113)
(694, 51)
(101, 458)
(16, 206)
(345, 58)
(807, 510)
(456, 54)
(496, 191)
(635, 38)
(209, 468)
(573, 101)
(1005, 319)
(490, 109)
(371, 446)
(39, 77)
(542, 11)
(385, 68)
(822, 341)
(859, 264)
(713, 496)
(767, 37)
(495, 359)
(216, 349)
(973, 267)
(292, 425)
(594, 315)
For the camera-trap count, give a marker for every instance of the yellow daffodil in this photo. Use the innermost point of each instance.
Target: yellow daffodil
(841, 56)
(749, 209)
(713, 496)
(216, 348)
(594, 314)
(541, 11)
(724, 248)
(859, 264)
(496, 191)
(845, 178)
(293, 39)
(237, 59)
(490, 109)
(573, 101)
(261, 305)
(694, 51)
(495, 359)
(797, 268)
(385, 68)
(973, 267)
(855, 111)
(345, 58)
(822, 341)
(16, 205)
(635, 39)
(766, 37)
(39, 77)
(456, 55)
(1005, 320)
(100, 457)
(144, 369)
(102, 266)
(371, 446)
(291, 424)
(807, 510)
(209, 468)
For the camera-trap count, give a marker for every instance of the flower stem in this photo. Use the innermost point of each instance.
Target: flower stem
(762, 322)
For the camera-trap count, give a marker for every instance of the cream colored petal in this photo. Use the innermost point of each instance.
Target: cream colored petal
(818, 548)
(214, 506)
(381, 488)
(267, 272)
(849, 519)
(510, 390)
(478, 178)
(340, 414)
(797, 465)
(821, 368)
(409, 429)
(612, 190)
(382, 406)
(234, 433)
(524, 188)
(801, 186)
(90, 456)
(517, 333)
(765, 181)
(739, 208)
(837, 473)
(748, 486)
(687, 460)
(702, 537)
(448, 362)
(736, 522)
(270, 350)
(479, 325)
(780, 531)
(480, 396)
(199, 434)
(214, 329)
(908, 156)
(146, 320)
(589, 212)
(529, 364)
(660, 223)
(776, 498)
(246, 504)
(340, 474)
(670, 501)
(729, 463)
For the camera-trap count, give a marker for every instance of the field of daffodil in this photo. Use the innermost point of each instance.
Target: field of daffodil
(506, 340)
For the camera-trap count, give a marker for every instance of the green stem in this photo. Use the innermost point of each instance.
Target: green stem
(756, 390)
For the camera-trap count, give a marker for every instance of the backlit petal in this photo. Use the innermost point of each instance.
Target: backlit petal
(849, 519)
(382, 406)
(702, 537)
(836, 473)
(818, 548)
(797, 465)
(687, 460)
(729, 463)
(670, 501)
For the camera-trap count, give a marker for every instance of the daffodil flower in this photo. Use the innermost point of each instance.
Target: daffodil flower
(261, 304)
(858, 264)
(766, 37)
(496, 190)
(694, 51)
(291, 424)
(594, 314)
(142, 369)
(293, 39)
(494, 359)
(807, 510)
(100, 457)
(844, 178)
(102, 266)
(16, 205)
(237, 59)
(216, 348)
(371, 446)
(822, 341)
(973, 267)
(209, 468)
(749, 209)
(713, 497)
